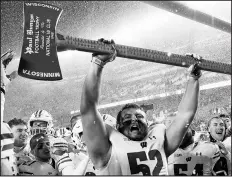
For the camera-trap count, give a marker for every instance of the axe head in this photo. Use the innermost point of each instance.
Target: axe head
(39, 58)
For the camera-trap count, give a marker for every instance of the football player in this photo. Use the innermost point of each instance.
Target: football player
(8, 160)
(227, 120)
(132, 149)
(68, 163)
(217, 134)
(43, 164)
(227, 140)
(21, 142)
(193, 158)
(77, 135)
(227, 143)
(41, 121)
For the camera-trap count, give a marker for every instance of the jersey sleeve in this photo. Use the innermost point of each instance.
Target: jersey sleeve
(2, 105)
(26, 169)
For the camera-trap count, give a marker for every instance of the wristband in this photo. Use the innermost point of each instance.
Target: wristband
(3, 90)
(97, 61)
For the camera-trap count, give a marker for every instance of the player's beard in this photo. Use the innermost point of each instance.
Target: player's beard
(125, 128)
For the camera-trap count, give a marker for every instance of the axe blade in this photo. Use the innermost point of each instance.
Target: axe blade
(39, 58)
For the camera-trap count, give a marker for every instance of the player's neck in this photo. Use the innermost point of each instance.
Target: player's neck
(44, 160)
(18, 147)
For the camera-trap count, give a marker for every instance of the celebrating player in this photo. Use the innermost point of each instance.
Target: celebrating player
(217, 131)
(41, 122)
(77, 133)
(193, 158)
(21, 144)
(43, 163)
(133, 148)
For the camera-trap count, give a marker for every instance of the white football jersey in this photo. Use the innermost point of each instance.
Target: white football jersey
(77, 158)
(197, 159)
(227, 143)
(38, 168)
(23, 154)
(145, 157)
(222, 166)
(8, 160)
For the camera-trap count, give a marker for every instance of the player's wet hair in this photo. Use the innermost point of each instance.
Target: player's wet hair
(15, 121)
(215, 117)
(127, 106)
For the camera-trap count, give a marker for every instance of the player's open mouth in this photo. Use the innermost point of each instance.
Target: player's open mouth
(134, 128)
(47, 152)
(23, 138)
(219, 133)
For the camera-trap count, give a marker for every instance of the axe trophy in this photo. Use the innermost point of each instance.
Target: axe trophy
(41, 42)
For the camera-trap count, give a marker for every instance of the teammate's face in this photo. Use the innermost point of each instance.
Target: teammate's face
(42, 150)
(39, 124)
(227, 122)
(20, 135)
(38, 127)
(133, 124)
(217, 129)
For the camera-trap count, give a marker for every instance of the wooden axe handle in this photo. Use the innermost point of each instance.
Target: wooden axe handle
(66, 42)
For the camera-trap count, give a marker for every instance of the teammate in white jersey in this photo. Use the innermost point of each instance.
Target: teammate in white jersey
(133, 148)
(227, 143)
(8, 160)
(21, 141)
(77, 135)
(69, 163)
(41, 121)
(227, 120)
(43, 164)
(217, 131)
(193, 158)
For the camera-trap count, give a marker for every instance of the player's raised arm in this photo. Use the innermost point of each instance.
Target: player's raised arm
(94, 130)
(186, 111)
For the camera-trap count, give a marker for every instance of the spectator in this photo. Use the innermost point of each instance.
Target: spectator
(115, 152)
(21, 145)
(8, 160)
